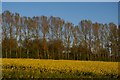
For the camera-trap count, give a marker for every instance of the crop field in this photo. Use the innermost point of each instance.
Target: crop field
(40, 68)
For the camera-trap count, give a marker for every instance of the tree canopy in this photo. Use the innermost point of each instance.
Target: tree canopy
(52, 38)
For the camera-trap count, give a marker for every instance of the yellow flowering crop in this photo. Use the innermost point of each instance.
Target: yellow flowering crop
(61, 66)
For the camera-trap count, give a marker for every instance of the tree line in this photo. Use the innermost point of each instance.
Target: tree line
(51, 37)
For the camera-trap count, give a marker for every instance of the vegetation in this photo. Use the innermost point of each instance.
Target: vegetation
(45, 37)
(41, 68)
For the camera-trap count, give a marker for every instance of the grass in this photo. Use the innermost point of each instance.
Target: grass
(40, 68)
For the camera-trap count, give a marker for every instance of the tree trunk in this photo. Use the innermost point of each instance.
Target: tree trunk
(6, 52)
(68, 56)
(38, 53)
(16, 55)
(10, 50)
(74, 55)
(27, 53)
(20, 51)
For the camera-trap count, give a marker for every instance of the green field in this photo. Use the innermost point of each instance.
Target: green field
(40, 68)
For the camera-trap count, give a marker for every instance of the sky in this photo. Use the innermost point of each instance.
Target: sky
(102, 12)
(60, 0)
(119, 13)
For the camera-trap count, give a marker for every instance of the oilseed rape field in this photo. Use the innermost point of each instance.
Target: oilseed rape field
(47, 68)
